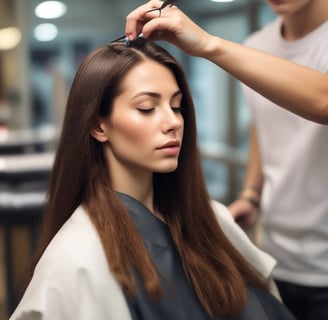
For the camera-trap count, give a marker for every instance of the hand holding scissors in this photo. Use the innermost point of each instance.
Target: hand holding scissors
(170, 25)
(158, 8)
(164, 5)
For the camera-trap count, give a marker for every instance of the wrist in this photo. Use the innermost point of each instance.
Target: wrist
(252, 190)
(213, 49)
(252, 195)
(254, 202)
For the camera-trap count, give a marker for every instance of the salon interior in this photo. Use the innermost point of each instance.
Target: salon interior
(40, 50)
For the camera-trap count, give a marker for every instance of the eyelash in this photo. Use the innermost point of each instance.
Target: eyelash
(146, 111)
(177, 109)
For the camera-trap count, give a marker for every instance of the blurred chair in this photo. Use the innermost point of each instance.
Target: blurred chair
(28, 140)
(23, 184)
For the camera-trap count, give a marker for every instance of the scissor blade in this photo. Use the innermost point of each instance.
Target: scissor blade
(164, 5)
(167, 3)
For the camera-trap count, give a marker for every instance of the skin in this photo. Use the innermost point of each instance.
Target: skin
(242, 210)
(277, 79)
(288, 7)
(299, 17)
(145, 117)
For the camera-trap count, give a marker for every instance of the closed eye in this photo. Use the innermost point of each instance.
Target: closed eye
(177, 109)
(145, 111)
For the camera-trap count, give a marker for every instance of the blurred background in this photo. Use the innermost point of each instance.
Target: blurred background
(40, 50)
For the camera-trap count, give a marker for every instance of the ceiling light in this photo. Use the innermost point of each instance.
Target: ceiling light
(9, 38)
(50, 9)
(45, 32)
(222, 0)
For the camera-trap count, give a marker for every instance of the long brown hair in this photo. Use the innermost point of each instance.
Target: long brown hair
(218, 273)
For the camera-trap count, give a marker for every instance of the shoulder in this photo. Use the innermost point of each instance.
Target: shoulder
(77, 241)
(72, 279)
(226, 221)
(75, 253)
(76, 246)
(221, 211)
(259, 259)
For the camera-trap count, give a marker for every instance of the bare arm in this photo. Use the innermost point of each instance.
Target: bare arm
(245, 208)
(254, 177)
(294, 87)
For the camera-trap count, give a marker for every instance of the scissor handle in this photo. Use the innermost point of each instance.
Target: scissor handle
(164, 5)
(167, 3)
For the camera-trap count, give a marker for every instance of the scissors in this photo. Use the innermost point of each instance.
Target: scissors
(164, 5)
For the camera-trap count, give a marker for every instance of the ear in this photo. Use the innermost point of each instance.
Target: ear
(99, 131)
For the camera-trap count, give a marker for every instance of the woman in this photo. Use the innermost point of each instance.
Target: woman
(129, 231)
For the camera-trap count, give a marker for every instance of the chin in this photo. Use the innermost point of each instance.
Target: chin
(280, 8)
(167, 168)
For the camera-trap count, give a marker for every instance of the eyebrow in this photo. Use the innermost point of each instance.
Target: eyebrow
(155, 94)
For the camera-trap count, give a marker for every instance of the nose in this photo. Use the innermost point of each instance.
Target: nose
(172, 120)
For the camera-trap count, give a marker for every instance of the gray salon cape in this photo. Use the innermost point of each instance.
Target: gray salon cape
(72, 280)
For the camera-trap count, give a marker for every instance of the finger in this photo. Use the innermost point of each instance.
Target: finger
(172, 21)
(159, 26)
(242, 221)
(138, 17)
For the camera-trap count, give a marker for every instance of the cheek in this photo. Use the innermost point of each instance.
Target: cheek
(132, 128)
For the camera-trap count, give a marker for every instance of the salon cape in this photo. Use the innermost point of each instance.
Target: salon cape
(72, 279)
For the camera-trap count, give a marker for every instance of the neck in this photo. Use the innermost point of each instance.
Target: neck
(305, 20)
(134, 183)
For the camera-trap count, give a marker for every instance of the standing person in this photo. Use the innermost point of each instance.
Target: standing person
(287, 175)
(129, 229)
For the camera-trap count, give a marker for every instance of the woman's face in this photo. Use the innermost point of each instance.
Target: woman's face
(288, 7)
(145, 128)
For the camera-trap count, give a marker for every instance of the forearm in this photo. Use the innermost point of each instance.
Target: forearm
(297, 88)
(254, 179)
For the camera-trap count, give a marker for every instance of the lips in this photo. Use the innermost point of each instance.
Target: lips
(170, 149)
(276, 2)
(170, 144)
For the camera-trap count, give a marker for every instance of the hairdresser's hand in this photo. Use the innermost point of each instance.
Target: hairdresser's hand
(243, 212)
(172, 26)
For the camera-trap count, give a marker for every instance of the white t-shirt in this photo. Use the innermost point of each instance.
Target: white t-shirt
(294, 154)
(72, 280)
